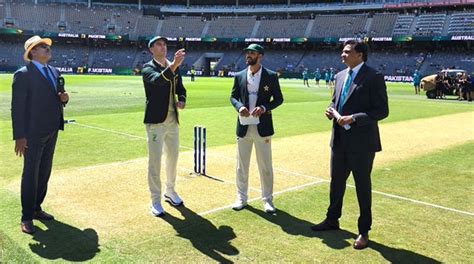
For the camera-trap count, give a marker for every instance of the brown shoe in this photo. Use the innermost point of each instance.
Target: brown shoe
(27, 227)
(42, 215)
(361, 242)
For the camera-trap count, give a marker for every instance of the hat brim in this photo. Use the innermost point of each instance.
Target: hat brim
(153, 40)
(46, 41)
(250, 49)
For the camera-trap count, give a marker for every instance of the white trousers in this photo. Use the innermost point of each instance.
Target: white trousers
(263, 150)
(163, 135)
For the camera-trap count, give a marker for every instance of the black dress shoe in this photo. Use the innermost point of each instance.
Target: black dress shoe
(361, 242)
(326, 225)
(42, 215)
(27, 227)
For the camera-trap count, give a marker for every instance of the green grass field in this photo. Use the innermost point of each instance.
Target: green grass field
(423, 193)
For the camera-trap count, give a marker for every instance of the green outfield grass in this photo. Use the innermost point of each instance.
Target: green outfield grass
(404, 231)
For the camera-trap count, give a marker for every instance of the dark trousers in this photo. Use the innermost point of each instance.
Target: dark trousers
(38, 161)
(360, 164)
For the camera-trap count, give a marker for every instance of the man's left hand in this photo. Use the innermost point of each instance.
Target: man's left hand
(63, 97)
(180, 104)
(345, 120)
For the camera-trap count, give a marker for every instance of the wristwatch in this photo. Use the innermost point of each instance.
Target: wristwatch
(353, 118)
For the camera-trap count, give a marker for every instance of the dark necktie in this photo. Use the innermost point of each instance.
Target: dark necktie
(345, 90)
(48, 76)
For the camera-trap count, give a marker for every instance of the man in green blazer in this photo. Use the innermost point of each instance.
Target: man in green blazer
(256, 92)
(165, 95)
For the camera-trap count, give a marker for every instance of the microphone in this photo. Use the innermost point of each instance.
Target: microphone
(60, 84)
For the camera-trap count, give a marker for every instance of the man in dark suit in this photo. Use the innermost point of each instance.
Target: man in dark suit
(256, 92)
(37, 115)
(165, 94)
(359, 102)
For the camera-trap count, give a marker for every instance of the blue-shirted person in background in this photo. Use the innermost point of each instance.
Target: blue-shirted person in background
(305, 78)
(317, 76)
(416, 81)
(327, 77)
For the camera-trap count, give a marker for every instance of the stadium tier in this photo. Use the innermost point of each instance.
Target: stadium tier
(306, 36)
(129, 20)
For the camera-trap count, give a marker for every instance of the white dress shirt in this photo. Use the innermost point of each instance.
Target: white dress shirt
(172, 96)
(355, 71)
(253, 83)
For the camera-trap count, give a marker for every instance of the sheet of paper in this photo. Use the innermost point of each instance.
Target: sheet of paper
(250, 120)
(336, 115)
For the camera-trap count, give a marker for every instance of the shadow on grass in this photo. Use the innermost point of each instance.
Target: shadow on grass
(210, 240)
(63, 241)
(337, 239)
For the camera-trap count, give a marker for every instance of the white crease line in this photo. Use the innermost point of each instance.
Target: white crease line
(300, 174)
(310, 176)
(118, 163)
(230, 205)
(107, 130)
(419, 202)
(274, 168)
(116, 132)
(258, 198)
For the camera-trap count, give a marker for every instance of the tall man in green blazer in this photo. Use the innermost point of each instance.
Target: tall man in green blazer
(256, 92)
(165, 94)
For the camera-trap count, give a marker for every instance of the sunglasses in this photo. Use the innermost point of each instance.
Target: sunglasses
(43, 46)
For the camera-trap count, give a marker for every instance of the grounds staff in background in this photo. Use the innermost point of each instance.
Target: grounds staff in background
(256, 92)
(163, 83)
(360, 96)
(37, 115)
(416, 81)
(193, 73)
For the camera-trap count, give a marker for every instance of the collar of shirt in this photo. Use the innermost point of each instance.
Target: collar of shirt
(40, 68)
(355, 70)
(39, 65)
(163, 66)
(256, 75)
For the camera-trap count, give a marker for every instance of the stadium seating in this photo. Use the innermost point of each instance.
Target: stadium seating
(12, 54)
(461, 24)
(18, 9)
(113, 57)
(190, 59)
(93, 20)
(382, 25)
(146, 26)
(430, 24)
(123, 19)
(281, 60)
(338, 26)
(403, 25)
(120, 19)
(322, 59)
(282, 28)
(406, 62)
(67, 56)
(229, 27)
(2, 11)
(230, 61)
(290, 60)
(450, 59)
(182, 27)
